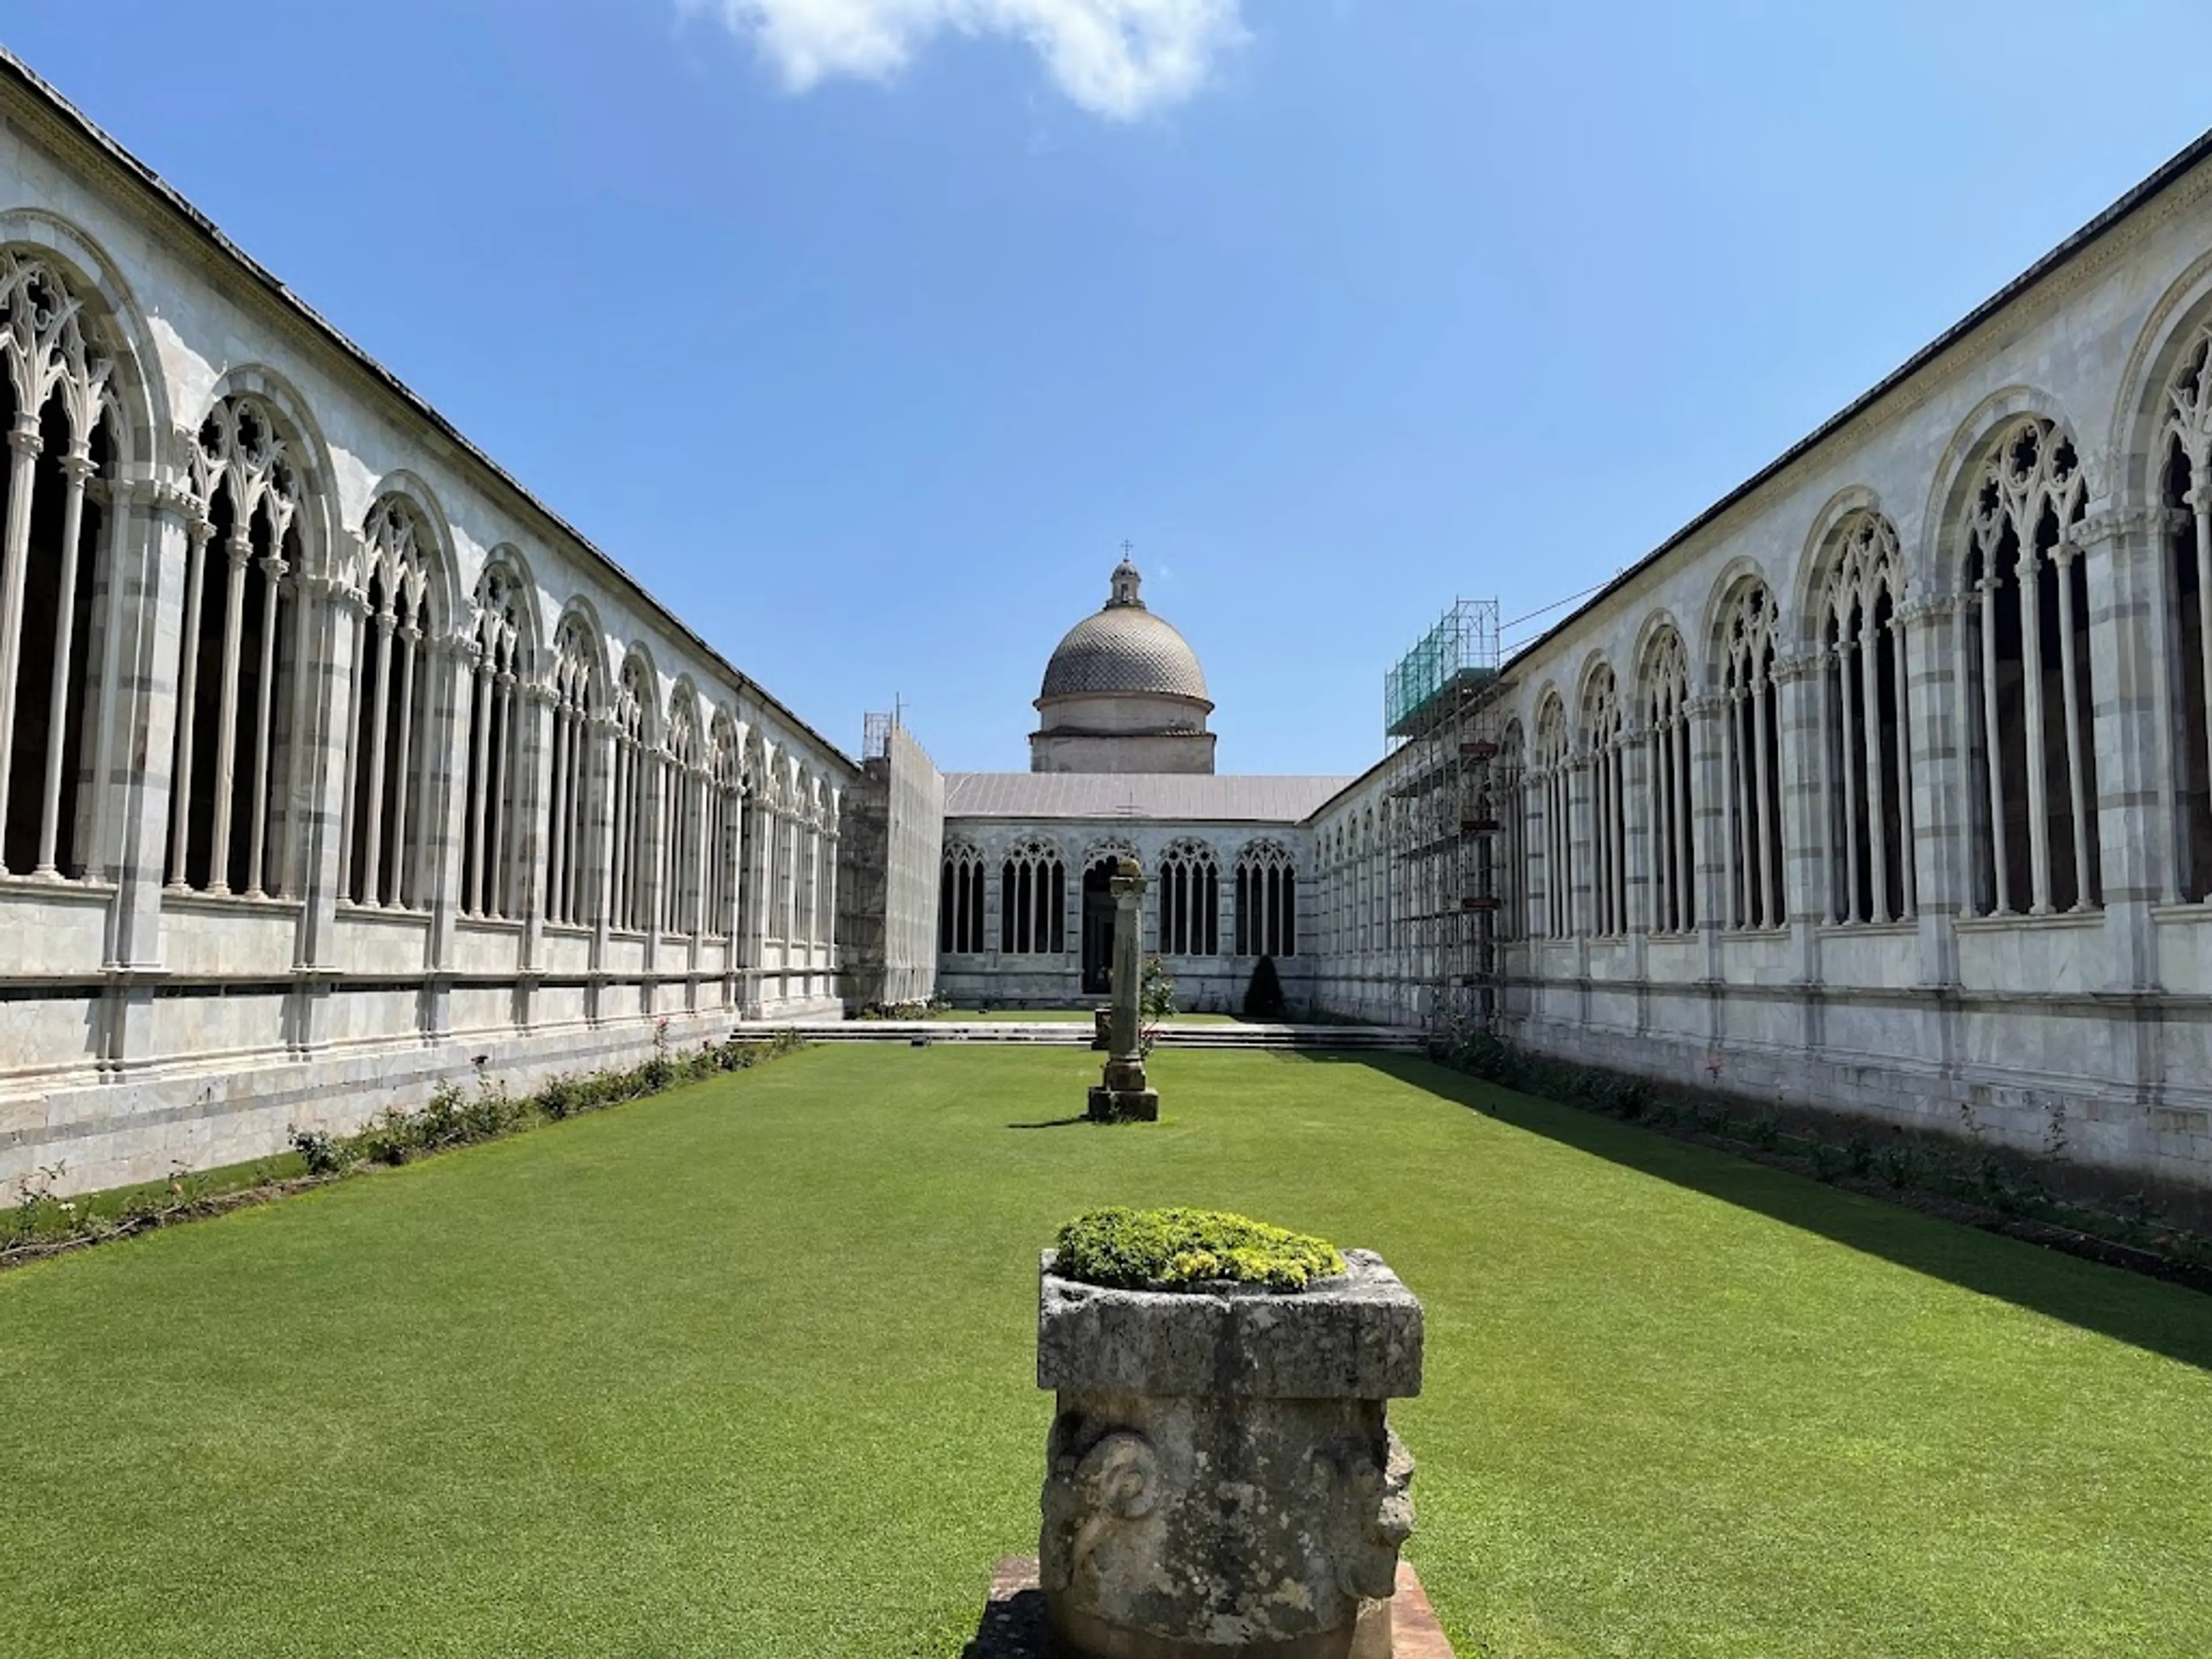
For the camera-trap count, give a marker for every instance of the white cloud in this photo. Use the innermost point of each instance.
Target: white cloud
(1118, 57)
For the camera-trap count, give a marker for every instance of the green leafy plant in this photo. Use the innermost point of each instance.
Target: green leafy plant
(1155, 1003)
(1174, 1250)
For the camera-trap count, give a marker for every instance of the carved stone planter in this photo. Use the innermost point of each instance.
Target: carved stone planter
(1221, 1479)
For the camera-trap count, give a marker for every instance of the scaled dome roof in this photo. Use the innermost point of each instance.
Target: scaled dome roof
(1124, 648)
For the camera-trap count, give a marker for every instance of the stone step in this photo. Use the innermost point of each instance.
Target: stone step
(1073, 1034)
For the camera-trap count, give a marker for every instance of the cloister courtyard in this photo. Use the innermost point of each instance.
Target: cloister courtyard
(747, 1368)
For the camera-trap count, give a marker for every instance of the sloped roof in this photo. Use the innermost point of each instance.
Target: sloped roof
(1175, 797)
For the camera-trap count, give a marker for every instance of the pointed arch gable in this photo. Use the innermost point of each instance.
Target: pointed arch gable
(441, 561)
(321, 533)
(2168, 335)
(139, 391)
(1938, 562)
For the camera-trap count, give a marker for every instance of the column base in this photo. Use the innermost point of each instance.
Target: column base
(1124, 1106)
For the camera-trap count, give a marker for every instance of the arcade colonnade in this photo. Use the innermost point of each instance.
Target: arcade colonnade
(1887, 784)
(332, 763)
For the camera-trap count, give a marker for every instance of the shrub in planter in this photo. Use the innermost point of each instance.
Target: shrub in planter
(1174, 1250)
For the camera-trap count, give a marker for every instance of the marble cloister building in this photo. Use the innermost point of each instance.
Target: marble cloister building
(331, 760)
(334, 766)
(1886, 786)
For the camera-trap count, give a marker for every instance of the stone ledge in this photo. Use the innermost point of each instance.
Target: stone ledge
(1355, 1338)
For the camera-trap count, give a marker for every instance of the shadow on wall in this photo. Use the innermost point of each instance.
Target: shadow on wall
(2165, 1319)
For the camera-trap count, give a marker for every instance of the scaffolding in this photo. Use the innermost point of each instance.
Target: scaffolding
(1445, 796)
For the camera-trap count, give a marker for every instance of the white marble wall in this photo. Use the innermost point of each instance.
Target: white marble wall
(2089, 1027)
(1215, 983)
(149, 1026)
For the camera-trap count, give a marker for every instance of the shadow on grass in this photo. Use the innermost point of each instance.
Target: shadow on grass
(1052, 1123)
(2165, 1319)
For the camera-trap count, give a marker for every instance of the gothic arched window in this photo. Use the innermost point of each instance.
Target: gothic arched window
(1266, 902)
(1866, 700)
(960, 900)
(2185, 482)
(1752, 756)
(683, 793)
(1609, 770)
(2029, 684)
(1673, 795)
(571, 821)
(1554, 789)
(1509, 865)
(719, 842)
(1033, 900)
(395, 764)
(635, 789)
(1190, 901)
(494, 784)
(53, 494)
(235, 722)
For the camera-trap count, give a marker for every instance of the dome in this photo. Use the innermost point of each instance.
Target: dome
(1124, 648)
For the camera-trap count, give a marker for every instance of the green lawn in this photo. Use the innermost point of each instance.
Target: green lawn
(746, 1371)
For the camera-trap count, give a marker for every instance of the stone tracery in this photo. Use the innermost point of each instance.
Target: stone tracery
(499, 674)
(394, 760)
(2185, 485)
(1670, 791)
(572, 836)
(1189, 883)
(237, 733)
(1033, 900)
(1752, 758)
(2030, 678)
(55, 375)
(1866, 718)
(1267, 901)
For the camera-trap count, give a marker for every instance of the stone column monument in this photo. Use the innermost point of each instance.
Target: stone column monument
(1222, 1479)
(1123, 1096)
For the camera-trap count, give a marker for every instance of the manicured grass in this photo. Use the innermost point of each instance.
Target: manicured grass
(746, 1369)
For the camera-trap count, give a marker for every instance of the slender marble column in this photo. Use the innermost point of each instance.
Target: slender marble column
(197, 534)
(265, 692)
(1993, 748)
(2077, 797)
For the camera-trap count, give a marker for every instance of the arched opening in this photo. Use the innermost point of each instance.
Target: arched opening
(1752, 760)
(395, 764)
(2031, 754)
(1033, 902)
(1864, 705)
(570, 819)
(1671, 803)
(960, 898)
(1190, 901)
(2185, 491)
(494, 778)
(235, 741)
(1266, 902)
(54, 497)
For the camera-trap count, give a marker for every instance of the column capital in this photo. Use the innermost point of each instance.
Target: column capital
(23, 436)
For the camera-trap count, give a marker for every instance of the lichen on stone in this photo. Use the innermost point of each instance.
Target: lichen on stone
(1186, 1249)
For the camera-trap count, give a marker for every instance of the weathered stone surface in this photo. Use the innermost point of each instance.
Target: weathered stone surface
(1012, 1625)
(1221, 1477)
(1356, 1337)
(1108, 1105)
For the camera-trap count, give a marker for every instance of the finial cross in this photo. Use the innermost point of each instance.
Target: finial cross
(1128, 547)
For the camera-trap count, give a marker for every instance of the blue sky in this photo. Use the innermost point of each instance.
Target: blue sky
(864, 343)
